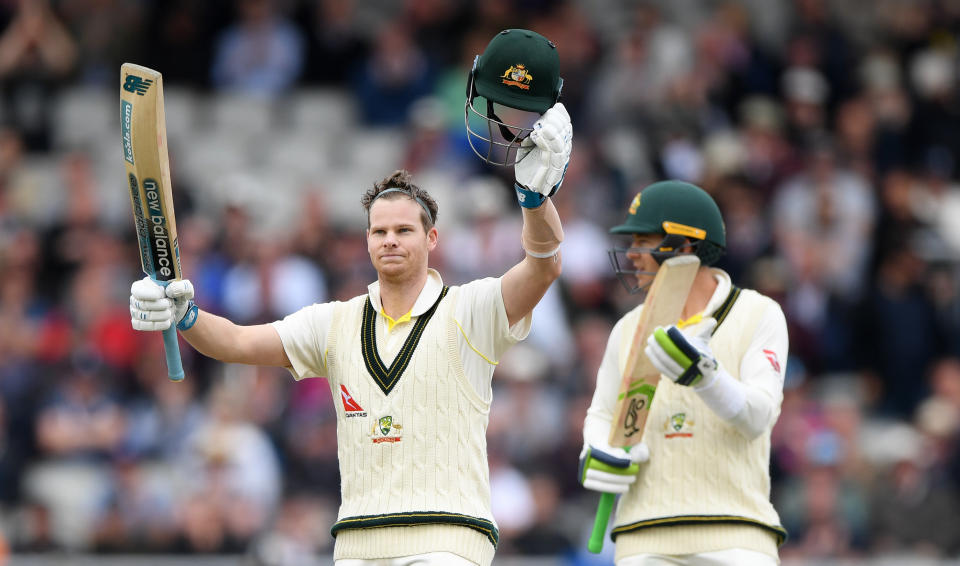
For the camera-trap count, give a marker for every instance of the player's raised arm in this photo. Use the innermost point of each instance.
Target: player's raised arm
(515, 81)
(153, 307)
(542, 162)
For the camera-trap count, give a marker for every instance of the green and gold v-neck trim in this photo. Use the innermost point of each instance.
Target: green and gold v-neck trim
(388, 377)
(724, 309)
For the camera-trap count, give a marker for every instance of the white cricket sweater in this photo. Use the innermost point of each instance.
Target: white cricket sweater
(706, 486)
(413, 463)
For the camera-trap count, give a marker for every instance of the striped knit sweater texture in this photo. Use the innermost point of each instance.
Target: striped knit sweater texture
(706, 487)
(413, 465)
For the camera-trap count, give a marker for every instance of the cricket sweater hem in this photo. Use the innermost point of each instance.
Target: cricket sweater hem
(696, 538)
(393, 542)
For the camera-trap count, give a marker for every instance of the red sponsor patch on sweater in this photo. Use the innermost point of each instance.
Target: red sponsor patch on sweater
(350, 405)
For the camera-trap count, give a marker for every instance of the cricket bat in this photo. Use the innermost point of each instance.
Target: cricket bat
(662, 307)
(144, 136)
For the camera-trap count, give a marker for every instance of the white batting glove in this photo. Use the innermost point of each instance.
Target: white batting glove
(155, 307)
(607, 469)
(543, 157)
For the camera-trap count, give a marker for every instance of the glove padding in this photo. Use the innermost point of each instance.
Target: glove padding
(684, 358)
(543, 157)
(155, 307)
(611, 470)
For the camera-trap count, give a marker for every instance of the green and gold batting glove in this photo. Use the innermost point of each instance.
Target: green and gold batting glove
(685, 359)
(611, 470)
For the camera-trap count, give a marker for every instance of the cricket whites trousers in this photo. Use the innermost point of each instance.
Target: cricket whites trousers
(428, 559)
(729, 557)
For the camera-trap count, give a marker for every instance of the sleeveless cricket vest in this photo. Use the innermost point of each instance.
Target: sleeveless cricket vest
(705, 481)
(411, 436)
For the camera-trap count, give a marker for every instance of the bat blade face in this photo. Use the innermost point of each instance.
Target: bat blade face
(144, 140)
(663, 306)
(144, 136)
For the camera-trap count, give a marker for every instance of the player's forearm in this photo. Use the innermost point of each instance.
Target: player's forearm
(757, 414)
(542, 232)
(748, 409)
(215, 337)
(526, 283)
(221, 339)
(597, 423)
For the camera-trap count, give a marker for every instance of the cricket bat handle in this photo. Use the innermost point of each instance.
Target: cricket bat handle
(600, 522)
(172, 350)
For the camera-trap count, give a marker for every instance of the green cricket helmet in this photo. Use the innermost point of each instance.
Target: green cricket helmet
(679, 211)
(519, 70)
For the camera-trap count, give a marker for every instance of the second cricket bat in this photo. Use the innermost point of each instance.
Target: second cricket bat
(662, 307)
(144, 136)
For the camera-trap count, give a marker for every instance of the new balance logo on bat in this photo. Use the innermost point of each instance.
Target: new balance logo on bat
(159, 231)
(137, 85)
(350, 406)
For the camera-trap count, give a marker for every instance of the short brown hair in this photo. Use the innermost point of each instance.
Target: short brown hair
(401, 179)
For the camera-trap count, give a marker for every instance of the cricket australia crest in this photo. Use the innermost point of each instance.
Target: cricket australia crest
(678, 425)
(386, 429)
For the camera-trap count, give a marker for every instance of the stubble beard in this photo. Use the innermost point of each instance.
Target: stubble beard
(398, 273)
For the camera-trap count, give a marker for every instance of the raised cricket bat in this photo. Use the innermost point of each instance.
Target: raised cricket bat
(662, 307)
(144, 134)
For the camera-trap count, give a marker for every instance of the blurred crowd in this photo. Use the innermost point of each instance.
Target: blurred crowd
(827, 131)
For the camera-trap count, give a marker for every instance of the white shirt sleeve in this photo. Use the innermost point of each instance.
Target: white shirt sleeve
(485, 331)
(596, 427)
(761, 374)
(753, 403)
(304, 337)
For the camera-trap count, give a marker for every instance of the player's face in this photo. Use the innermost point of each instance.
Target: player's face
(641, 258)
(396, 240)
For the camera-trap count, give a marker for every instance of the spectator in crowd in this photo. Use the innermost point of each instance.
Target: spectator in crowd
(81, 420)
(900, 337)
(336, 45)
(396, 74)
(261, 54)
(912, 506)
(36, 54)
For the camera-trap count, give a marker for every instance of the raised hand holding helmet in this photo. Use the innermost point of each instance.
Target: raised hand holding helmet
(543, 157)
(519, 70)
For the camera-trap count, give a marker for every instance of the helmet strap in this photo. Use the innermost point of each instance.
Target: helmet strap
(508, 135)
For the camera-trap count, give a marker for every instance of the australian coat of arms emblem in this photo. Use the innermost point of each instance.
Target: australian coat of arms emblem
(518, 76)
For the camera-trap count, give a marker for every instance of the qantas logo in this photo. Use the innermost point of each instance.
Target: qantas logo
(772, 358)
(350, 405)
